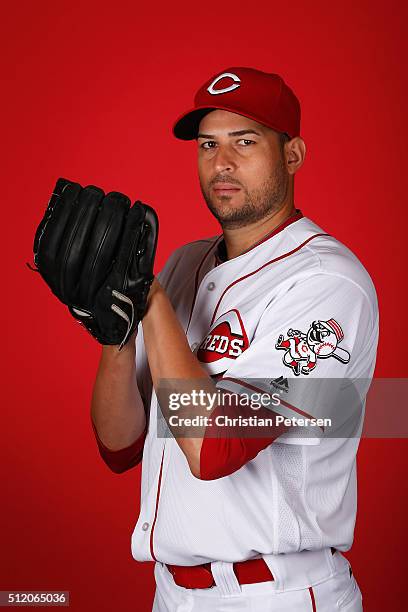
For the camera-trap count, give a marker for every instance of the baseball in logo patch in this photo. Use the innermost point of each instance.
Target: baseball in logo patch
(321, 341)
(226, 340)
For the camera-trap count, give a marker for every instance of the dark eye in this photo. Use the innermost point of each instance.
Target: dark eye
(210, 144)
(246, 141)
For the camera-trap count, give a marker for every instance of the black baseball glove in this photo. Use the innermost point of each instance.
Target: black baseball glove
(96, 254)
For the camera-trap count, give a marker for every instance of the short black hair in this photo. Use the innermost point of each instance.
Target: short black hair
(283, 137)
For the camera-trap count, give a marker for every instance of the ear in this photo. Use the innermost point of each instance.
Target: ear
(294, 153)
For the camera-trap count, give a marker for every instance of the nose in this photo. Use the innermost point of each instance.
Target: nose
(224, 160)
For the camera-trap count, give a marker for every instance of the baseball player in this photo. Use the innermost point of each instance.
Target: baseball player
(273, 306)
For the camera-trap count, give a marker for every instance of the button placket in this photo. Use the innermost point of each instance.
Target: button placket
(205, 302)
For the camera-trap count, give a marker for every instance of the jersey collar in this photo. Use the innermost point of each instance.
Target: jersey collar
(221, 251)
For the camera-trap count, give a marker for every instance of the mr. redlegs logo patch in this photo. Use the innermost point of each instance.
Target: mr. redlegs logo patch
(226, 340)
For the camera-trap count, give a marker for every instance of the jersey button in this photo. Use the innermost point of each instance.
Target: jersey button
(211, 286)
(145, 526)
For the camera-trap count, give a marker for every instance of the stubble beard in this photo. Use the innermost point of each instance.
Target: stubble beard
(259, 203)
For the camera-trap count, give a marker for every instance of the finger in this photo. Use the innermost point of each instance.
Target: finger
(49, 234)
(148, 242)
(137, 256)
(103, 244)
(129, 243)
(56, 194)
(74, 243)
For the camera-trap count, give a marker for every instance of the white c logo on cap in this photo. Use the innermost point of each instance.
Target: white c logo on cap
(232, 76)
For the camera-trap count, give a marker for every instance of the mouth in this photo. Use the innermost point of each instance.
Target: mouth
(225, 189)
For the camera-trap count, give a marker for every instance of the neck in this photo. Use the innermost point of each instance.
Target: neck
(241, 239)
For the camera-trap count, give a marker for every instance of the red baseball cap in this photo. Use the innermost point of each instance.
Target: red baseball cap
(261, 96)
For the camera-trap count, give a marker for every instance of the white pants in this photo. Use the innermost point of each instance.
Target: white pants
(319, 582)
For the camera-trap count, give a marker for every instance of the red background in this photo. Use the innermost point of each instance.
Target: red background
(90, 93)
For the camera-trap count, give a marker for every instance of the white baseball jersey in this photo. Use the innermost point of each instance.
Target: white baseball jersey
(295, 308)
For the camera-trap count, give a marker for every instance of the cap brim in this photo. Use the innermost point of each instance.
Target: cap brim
(186, 126)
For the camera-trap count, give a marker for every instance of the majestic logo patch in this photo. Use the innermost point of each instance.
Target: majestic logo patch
(320, 342)
(226, 340)
(280, 383)
(230, 75)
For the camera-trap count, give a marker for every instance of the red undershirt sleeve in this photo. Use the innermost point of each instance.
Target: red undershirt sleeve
(122, 459)
(222, 456)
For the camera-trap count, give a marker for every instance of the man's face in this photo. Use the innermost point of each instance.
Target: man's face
(242, 171)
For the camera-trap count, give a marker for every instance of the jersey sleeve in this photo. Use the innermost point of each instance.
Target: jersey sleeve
(123, 459)
(315, 347)
(222, 455)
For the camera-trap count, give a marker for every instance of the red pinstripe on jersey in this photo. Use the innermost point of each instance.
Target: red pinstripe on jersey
(312, 599)
(156, 509)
